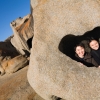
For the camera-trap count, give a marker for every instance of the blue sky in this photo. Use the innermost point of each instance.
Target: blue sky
(10, 10)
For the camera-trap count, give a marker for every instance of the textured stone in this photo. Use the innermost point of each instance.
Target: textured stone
(13, 65)
(16, 87)
(52, 73)
(22, 33)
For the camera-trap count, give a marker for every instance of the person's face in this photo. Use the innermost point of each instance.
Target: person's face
(80, 51)
(94, 45)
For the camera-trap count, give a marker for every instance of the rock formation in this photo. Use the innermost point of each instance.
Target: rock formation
(7, 50)
(10, 59)
(13, 83)
(13, 65)
(16, 87)
(51, 73)
(23, 34)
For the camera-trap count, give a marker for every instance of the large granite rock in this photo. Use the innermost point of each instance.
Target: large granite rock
(52, 73)
(23, 34)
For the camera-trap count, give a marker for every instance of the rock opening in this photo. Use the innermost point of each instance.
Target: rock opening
(68, 42)
(29, 42)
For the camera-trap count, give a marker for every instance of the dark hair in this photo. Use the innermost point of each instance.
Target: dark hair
(80, 44)
(91, 39)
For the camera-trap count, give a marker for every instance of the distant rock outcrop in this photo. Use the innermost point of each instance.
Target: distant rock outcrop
(7, 50)
(23, 34)
(14, 86)
(8, 39)
(10, 59)
(51, 73)
(13, 65)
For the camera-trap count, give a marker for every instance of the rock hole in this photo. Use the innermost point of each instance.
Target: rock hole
(26, 20)
(29, 42)
(56, 98)
(68, 42)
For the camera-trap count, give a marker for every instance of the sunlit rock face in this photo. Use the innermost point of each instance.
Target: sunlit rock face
(23, 34)
(13, 65)
(52, 73)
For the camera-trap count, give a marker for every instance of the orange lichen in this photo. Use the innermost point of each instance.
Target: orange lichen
(23, 27)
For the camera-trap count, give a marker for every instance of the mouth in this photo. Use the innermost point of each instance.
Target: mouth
(96, 47)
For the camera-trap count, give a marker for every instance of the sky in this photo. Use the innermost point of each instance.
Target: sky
(11, 10)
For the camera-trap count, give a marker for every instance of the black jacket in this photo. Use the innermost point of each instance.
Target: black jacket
(88, 60)
(96, 55)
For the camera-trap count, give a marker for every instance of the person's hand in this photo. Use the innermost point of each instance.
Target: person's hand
(81, 64)
(99, 66)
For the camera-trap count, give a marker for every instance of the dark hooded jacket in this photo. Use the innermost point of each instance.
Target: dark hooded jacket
(96, 55)
(88, 60)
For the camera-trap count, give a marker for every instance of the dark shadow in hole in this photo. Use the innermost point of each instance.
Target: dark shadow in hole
(68, 42)
(26, 20)
(29, 42)
(27, 54)
(55, 98)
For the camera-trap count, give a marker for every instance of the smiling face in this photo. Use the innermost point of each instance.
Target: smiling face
(94, 45)
(80, 51)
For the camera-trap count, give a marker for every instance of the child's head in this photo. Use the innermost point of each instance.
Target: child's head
(94, 44)
(80, 51)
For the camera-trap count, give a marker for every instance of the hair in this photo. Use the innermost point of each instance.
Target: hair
(91, 39)
(80, 44)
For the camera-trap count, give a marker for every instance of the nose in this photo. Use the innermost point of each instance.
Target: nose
(81, 51)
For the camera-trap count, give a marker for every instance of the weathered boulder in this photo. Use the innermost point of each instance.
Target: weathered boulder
(13, 65)
(23, 34)
(52, 73)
